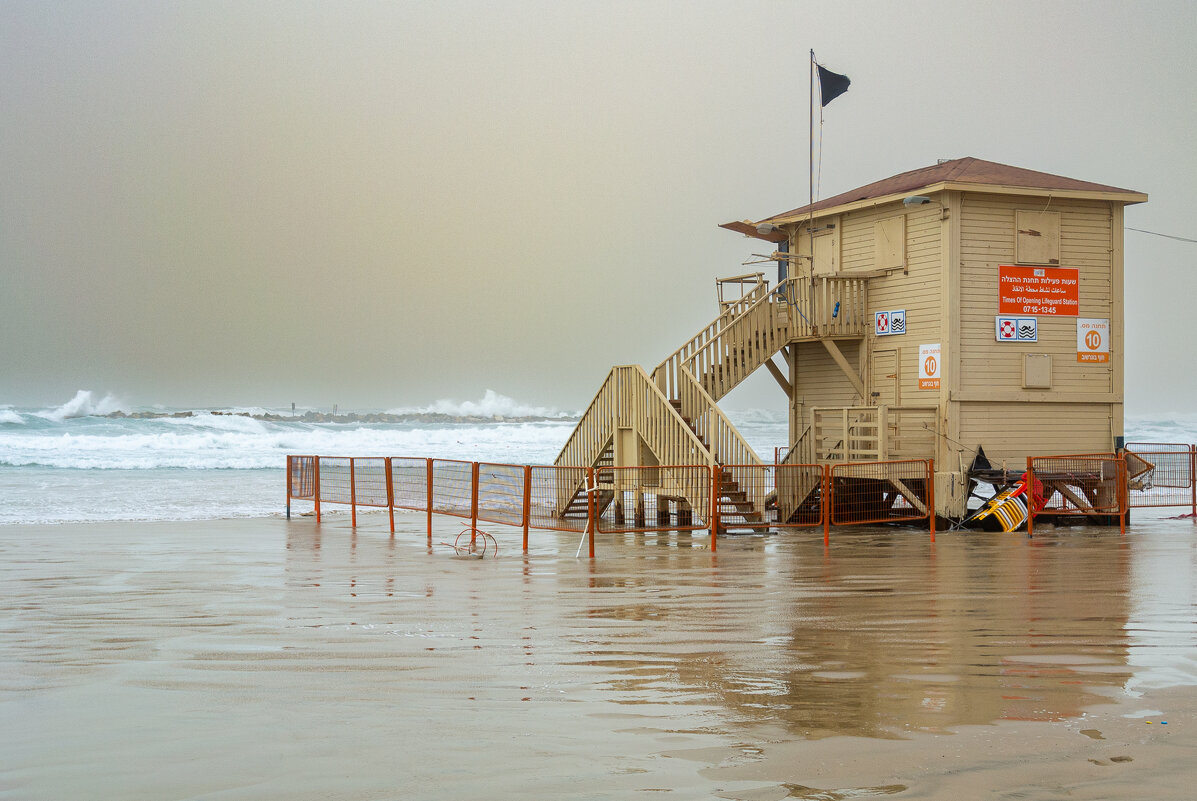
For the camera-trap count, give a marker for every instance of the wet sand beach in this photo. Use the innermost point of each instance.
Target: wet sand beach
(273, 659)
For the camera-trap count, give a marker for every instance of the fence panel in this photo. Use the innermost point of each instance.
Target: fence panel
(370, 481)
(559, 499)
(882, 492)
(1087, 484)
(409, 479)
(301, 477)
(653, 498)
(452, 487)
(501, 493)
(335, 486)
(791, 496)
(1160, 474)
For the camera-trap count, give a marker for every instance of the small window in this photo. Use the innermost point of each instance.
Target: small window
(1037, 237)
(889, 243)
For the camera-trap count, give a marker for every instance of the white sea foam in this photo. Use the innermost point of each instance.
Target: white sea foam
(492, 404)
(82, 405)
(9, 417)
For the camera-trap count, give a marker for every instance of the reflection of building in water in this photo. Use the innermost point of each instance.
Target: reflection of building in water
(886, 635)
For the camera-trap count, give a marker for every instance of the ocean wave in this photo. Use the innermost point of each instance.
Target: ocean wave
(492, 405)
(9, 417)
(84, 404)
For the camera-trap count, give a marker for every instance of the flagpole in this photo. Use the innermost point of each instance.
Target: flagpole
(810, 172)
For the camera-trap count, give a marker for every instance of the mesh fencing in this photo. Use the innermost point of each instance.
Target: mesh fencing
(1160, 475)
(335, 486)
(501, 493)
(558, 499)
(771, 496)
(452, 487)
(882, 492)
(653, 498)
(370, 481)
(1088, 484)
(409, 483)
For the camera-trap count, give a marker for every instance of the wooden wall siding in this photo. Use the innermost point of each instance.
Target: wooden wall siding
(1011, 431)
(918, 290)
(821, 382)
(987, 241)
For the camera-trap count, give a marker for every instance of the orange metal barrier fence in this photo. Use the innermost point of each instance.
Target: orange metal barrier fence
(1082, 484)
(777, 496)
(864, 493)
(1161, 474)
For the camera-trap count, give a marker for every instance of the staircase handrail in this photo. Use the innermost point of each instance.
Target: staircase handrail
(665, 376)
(724, 441)
(759, 317)
(582, 431)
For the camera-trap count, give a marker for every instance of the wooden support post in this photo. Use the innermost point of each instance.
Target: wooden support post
(838, 356)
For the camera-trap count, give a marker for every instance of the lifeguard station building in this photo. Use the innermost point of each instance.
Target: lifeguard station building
(962, 305)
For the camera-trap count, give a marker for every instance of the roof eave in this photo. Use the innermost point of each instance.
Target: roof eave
(1127, 198)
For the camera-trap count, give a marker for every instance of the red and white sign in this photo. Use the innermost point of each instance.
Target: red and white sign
(929, 366)
(1045, 291)
(1092, 340)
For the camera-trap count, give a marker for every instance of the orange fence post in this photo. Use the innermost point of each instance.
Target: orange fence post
(716, 482)
(527, 503)
(1123, 493)
(428, 472)
(826, 503)
(931, 495)
(390, 493)
(591, 505)
(352, 495)
(288, 487)
(473, 503)
(316, 489)
(1193, 478)
(1030, 497)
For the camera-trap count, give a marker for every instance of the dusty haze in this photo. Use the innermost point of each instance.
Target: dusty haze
(385, 204)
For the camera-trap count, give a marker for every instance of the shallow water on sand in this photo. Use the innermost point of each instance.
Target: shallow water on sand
(273, 659)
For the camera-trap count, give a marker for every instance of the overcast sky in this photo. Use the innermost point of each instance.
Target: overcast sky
(384, 204)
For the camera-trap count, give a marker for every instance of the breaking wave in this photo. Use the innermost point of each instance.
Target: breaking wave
(491, 405)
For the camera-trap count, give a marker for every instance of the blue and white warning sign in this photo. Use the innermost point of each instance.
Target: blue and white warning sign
(889, 323)
(1016, 329)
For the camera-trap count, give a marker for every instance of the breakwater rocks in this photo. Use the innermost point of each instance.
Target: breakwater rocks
(352, 417)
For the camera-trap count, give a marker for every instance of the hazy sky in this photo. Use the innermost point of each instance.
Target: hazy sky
(383, 204)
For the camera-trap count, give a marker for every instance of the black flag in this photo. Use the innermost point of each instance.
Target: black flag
(831, 84)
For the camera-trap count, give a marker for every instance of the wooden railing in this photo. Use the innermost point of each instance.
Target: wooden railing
(666, 373)
(629, 399)
(743, 345)
(827, 305)
(723, 440)
(871, 433)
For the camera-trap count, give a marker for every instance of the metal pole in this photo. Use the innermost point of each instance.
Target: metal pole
(352, 495)
(591, 505)
(825, 503)
(716, 481)
(931, 495)
(316, 481)
(474, 504)
(527, 503)
(1030, 490)
(390, 493)
(288, 487)
(428, 504)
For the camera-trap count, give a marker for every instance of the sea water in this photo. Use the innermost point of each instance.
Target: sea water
(78, 462)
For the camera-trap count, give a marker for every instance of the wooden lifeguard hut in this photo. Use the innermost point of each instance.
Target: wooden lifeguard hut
(963, 305)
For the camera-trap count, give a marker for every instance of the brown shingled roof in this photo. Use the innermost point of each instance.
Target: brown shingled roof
(966, 170)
